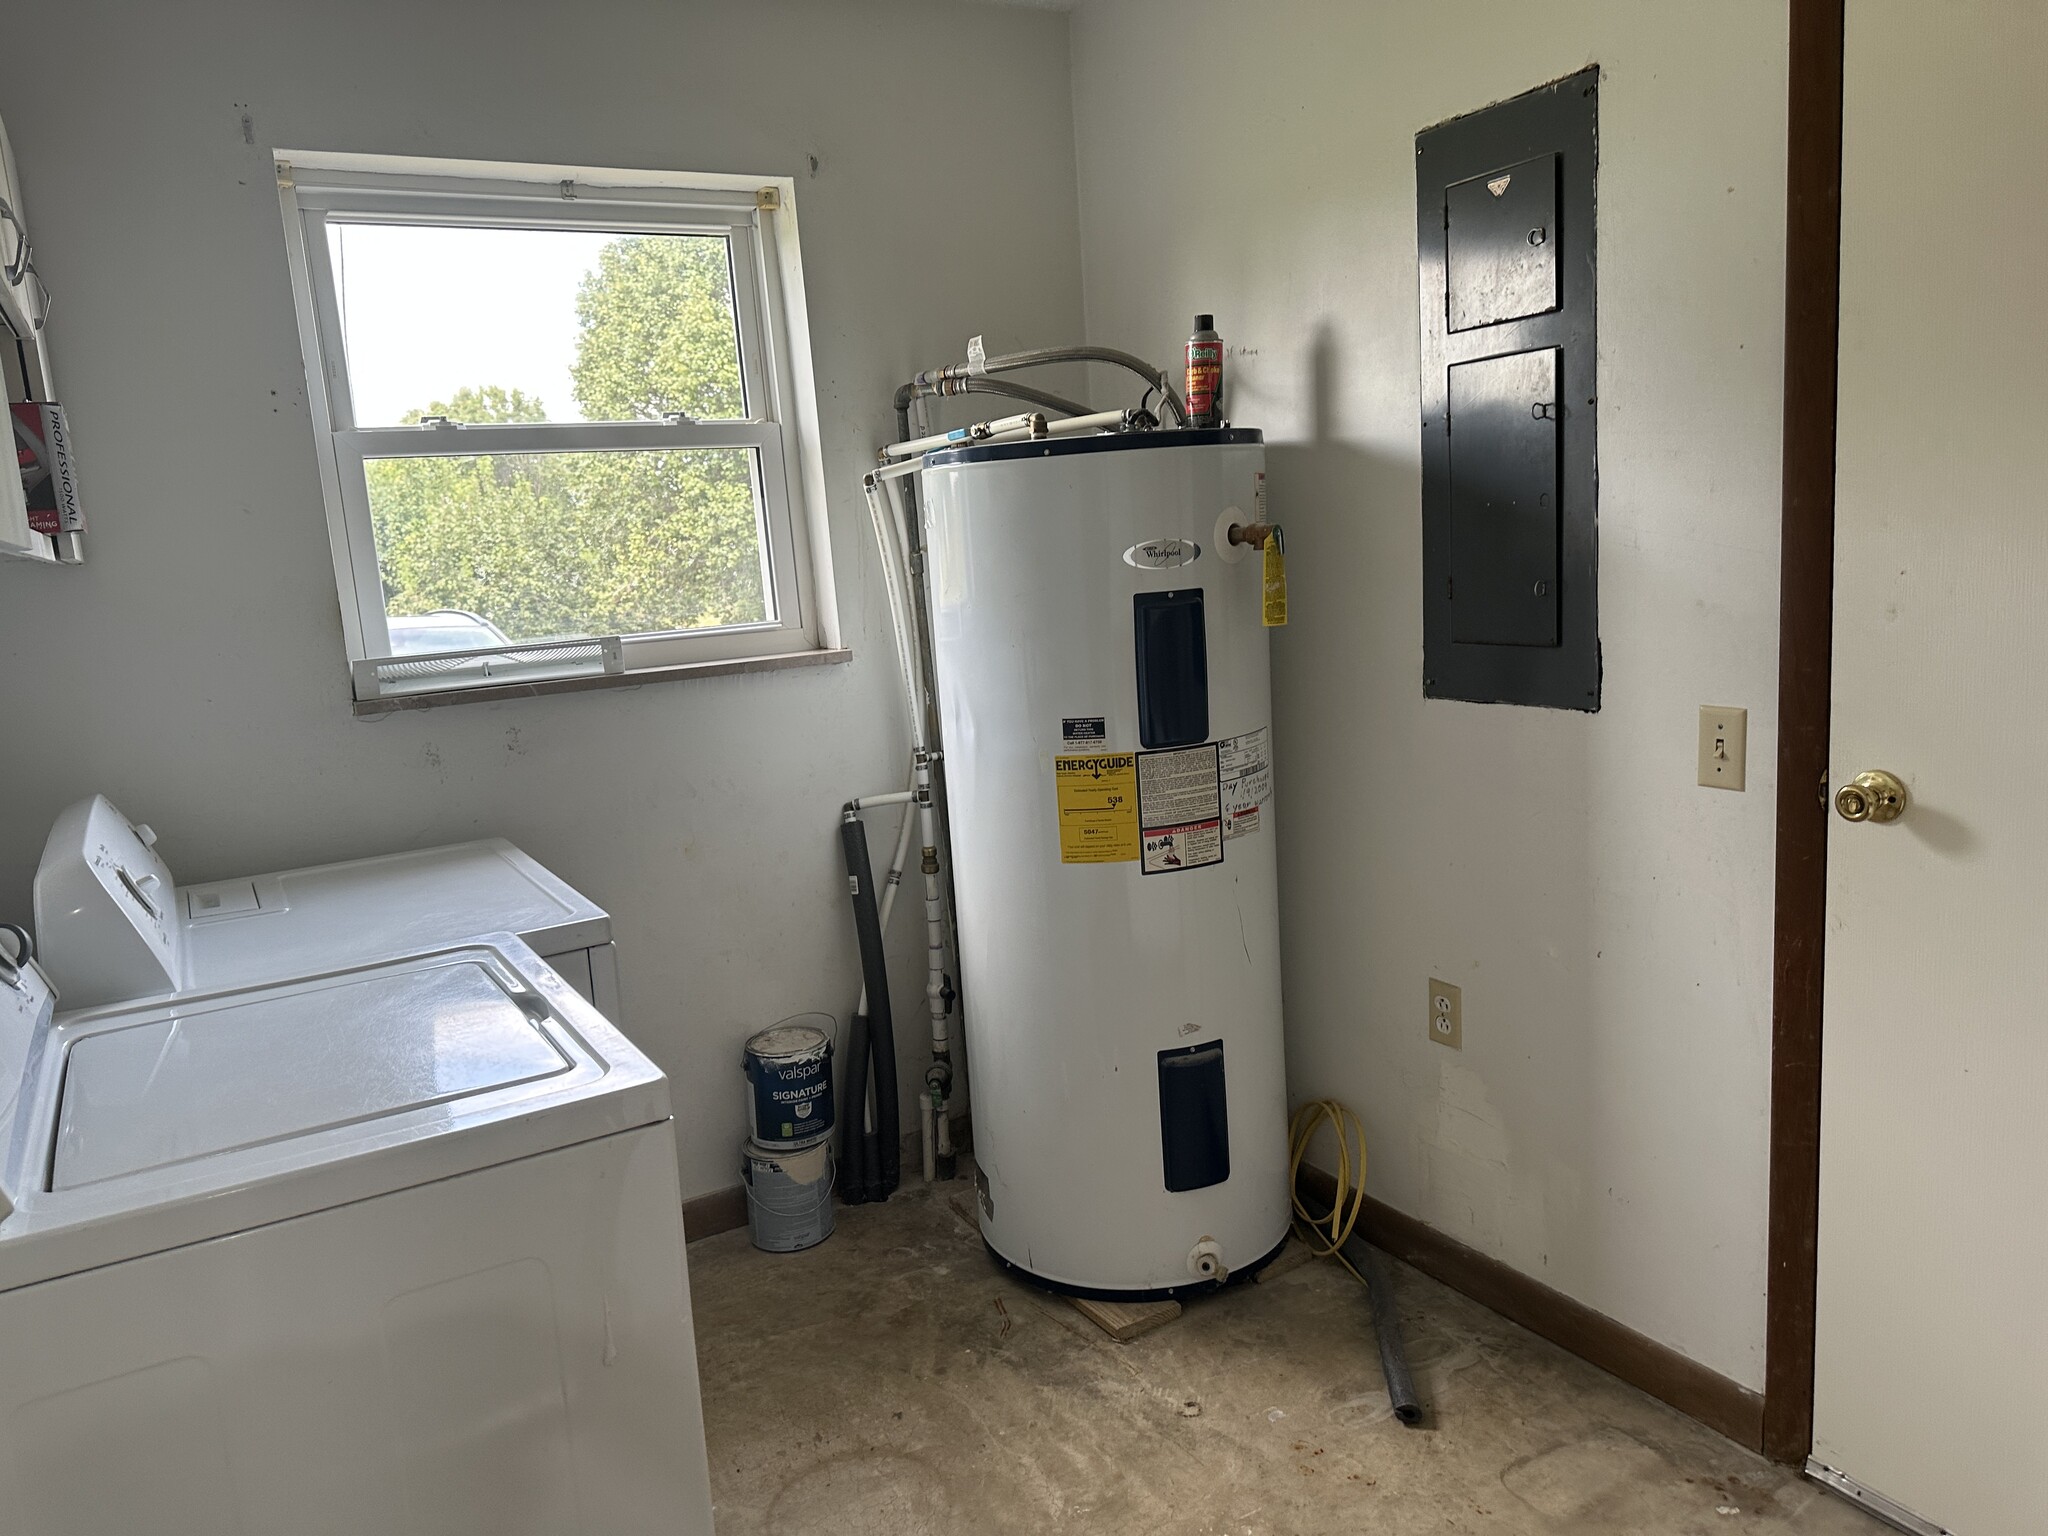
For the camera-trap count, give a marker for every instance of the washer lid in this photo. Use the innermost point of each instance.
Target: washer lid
(229, 1073)
(146, 1126)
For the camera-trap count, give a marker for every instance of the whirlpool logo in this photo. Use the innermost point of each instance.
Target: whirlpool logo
(1163, 554)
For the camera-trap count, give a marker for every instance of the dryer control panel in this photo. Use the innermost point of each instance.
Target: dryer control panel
(106, 920)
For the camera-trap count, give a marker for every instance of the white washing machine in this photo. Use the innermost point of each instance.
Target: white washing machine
(394, 1247)
(112, 924)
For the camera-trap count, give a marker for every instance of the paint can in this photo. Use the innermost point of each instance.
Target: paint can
(789, 1069)
(789, 1196)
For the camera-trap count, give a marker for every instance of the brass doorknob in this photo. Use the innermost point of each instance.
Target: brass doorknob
(1872, 796)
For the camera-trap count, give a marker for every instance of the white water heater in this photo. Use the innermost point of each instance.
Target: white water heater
(1103, 685)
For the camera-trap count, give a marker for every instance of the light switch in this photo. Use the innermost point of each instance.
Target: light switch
(1724, 746)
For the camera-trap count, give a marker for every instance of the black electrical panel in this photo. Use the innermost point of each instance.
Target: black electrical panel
(1504, 228)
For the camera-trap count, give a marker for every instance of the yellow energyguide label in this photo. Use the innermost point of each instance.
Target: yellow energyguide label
(1097, 798)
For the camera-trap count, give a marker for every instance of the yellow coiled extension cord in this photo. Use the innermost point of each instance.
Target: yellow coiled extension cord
(1326, 1235)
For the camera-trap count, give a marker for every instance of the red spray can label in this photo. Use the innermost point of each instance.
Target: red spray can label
(1204, 374)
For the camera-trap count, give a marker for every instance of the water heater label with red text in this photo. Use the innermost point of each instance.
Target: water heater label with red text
(1247, 780)
(1180, 809)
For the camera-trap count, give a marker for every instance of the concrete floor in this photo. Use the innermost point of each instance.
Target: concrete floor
(892, 1380)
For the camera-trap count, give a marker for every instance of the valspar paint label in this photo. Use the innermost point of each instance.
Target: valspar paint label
(1180, 809)
(1097, 800)
(1247, 765)
(792, 1098)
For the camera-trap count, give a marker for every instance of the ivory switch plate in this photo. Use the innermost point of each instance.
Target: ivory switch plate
(1446, 1014)
(1724, 746)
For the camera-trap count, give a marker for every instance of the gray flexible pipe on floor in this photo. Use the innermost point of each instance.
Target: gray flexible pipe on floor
(1386, 1323)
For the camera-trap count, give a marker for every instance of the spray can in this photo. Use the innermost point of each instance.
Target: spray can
(1205, 374)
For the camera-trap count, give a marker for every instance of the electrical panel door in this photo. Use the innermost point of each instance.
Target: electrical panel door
(1504, 500)
(1504, 227)
(1500, 259)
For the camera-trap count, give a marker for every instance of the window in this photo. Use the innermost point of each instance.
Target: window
(558, 420)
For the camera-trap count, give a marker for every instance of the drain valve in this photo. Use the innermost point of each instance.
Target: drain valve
(1205, 1260)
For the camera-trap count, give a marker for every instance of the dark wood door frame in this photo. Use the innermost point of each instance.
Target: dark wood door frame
(1813, 268)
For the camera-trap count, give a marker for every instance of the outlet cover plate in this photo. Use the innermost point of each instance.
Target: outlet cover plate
(1724, 746)
(1446, 1014)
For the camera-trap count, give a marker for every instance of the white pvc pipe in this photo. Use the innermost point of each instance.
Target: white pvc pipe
(913, 451)
(894, 797)
(1066, 426)
(934, 896)
(898, 498)
(934, 939)
(1096, 421)
(960, 435)
(897, 558)
(894, 569)
(892, 537)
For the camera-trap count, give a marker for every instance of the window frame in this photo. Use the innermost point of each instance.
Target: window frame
(756, 218)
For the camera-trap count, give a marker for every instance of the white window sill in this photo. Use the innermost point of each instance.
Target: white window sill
(493, 693)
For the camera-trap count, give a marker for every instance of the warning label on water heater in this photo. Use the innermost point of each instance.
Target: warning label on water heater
(1247, 781)
(1180, 809)
(1097, 798)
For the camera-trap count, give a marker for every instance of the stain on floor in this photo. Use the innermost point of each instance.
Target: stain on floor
(893, 1381)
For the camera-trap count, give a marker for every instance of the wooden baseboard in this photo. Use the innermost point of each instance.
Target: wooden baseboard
(725, 1210)
(1716, 1401)
(720, 1211)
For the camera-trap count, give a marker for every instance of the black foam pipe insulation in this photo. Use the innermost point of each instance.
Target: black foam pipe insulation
(1386, 1323)
(856, 1142)
(867, 927)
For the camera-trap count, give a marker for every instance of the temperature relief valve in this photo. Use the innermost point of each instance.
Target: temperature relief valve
(1268, 539)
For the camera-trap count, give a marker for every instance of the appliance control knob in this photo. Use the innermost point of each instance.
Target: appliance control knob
(145, 834)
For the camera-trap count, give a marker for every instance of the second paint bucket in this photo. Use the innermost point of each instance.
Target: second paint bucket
(789, 1072)
(789, 1196)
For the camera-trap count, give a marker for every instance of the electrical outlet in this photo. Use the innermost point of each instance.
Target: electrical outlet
(1446, 1014)
(1724, 746)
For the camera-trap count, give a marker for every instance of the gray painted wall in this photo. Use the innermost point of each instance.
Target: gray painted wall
(1604, 1128)
(194, 672)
